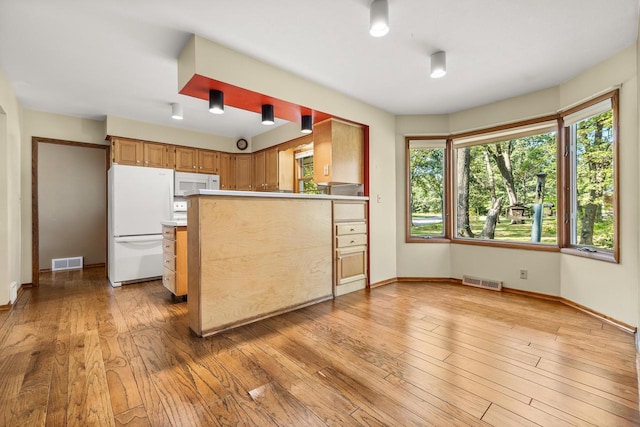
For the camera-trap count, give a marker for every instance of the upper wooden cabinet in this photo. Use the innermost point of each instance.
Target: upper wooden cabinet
(155, 155)
(127, 151)
(244, 171)
(338, 153)
(265, 170)
(186, 159)
(139, 153)
(227, 171)
(208, 161)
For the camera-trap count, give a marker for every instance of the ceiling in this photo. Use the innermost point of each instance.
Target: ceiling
(94, 58)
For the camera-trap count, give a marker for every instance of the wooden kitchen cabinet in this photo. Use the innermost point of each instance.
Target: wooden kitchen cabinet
(266, 170)
(350, 245)
(186, 159)
(208, 161)
(127, 151)
(244, 172)
(338, 153)
(227, 171)
(258, 171)
(174, 259)
(155, 155)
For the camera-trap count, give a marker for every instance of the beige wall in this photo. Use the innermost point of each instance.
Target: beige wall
(118, 126)
(10, 129)
(54, 126)
(611, 289)
(72, 205)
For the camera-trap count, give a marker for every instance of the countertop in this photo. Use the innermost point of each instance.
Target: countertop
(273, 195)
(175, 223)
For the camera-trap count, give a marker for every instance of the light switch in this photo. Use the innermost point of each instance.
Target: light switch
(379, 198)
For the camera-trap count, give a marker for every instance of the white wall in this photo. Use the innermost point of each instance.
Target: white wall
(611, 289)
(10, 129)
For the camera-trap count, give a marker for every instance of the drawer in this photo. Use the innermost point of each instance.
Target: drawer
(351, 240)
(168, 232)
(169, 279)
(169, 246)
(351, 228)
(169, 261)
(345, 211)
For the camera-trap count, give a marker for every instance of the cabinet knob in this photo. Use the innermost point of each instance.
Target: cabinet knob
(137, 161)
(352, 229)
(353, 241)
(194, 166)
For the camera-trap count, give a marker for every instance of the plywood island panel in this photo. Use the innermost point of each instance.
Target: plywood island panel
(252, 257)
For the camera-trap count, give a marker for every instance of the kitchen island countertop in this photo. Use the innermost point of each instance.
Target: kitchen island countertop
(273, 195)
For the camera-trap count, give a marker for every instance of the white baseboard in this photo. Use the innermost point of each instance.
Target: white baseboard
(637, 341)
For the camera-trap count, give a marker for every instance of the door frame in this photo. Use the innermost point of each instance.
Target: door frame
(35, 224)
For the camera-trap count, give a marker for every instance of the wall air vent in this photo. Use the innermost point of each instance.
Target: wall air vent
(66, 263)
(494, 285)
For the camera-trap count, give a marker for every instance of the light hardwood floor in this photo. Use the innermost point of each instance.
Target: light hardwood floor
(78, 352)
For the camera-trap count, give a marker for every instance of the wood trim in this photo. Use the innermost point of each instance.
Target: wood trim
(598, 255)
(9, 305)
(611, 94)
(505, 244)
(228, 326)
(615, 104)
(505, 126)
(610, 320)
(564, 196)
(35, 225)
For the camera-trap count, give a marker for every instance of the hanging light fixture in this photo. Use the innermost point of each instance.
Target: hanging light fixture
(216, 101)
(438, 65)
(267, 114)
(379, 18)
(176, 111)
(307, 124)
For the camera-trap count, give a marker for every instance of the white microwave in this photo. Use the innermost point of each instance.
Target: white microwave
(186, 182)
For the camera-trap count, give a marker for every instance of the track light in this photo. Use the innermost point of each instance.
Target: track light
(176, 111)
(379, 18)
(267, 114)
(307, 124)
(216, 101)
(438, 65)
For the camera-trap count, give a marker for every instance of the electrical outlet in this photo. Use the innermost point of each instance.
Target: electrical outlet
(523, 274)
(379, 198)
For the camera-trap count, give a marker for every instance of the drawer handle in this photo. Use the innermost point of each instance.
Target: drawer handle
(167, 261)
(353, 241)
(167, 246)
(352, 229)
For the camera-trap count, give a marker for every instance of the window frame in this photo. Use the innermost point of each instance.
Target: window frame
(563, 179)
(568, 247)
(446, 217)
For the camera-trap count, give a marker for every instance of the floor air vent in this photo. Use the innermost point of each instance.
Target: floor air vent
(66, 263)
(494, 285)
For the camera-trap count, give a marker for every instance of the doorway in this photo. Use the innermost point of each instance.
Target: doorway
(69, 202)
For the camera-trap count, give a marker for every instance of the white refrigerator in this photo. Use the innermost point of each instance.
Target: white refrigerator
(139, 198)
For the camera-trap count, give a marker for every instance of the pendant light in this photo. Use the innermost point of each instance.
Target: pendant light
(379, 18)
(176, 111)
(438, 65)
(307, 124)
(216, 101)
(267, 114)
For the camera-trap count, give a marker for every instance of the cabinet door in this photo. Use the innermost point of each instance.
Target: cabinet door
(243, 172)
(208, 161)
(227, 171)
(155, 155)
(351, 265)
(271, 169)
(127, 152)
(258, 171)
(186, 159)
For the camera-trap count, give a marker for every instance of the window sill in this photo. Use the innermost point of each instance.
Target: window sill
(427, 239)
(600, 256)
(542, 247)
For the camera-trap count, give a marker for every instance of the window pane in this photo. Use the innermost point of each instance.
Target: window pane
(593, 182)
(426, 195)
(506, 190)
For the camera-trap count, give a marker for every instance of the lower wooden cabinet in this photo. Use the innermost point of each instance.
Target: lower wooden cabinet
(174, 259)
(350, 246)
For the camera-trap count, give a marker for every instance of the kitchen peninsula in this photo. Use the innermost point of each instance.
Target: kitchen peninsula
(255, 255)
